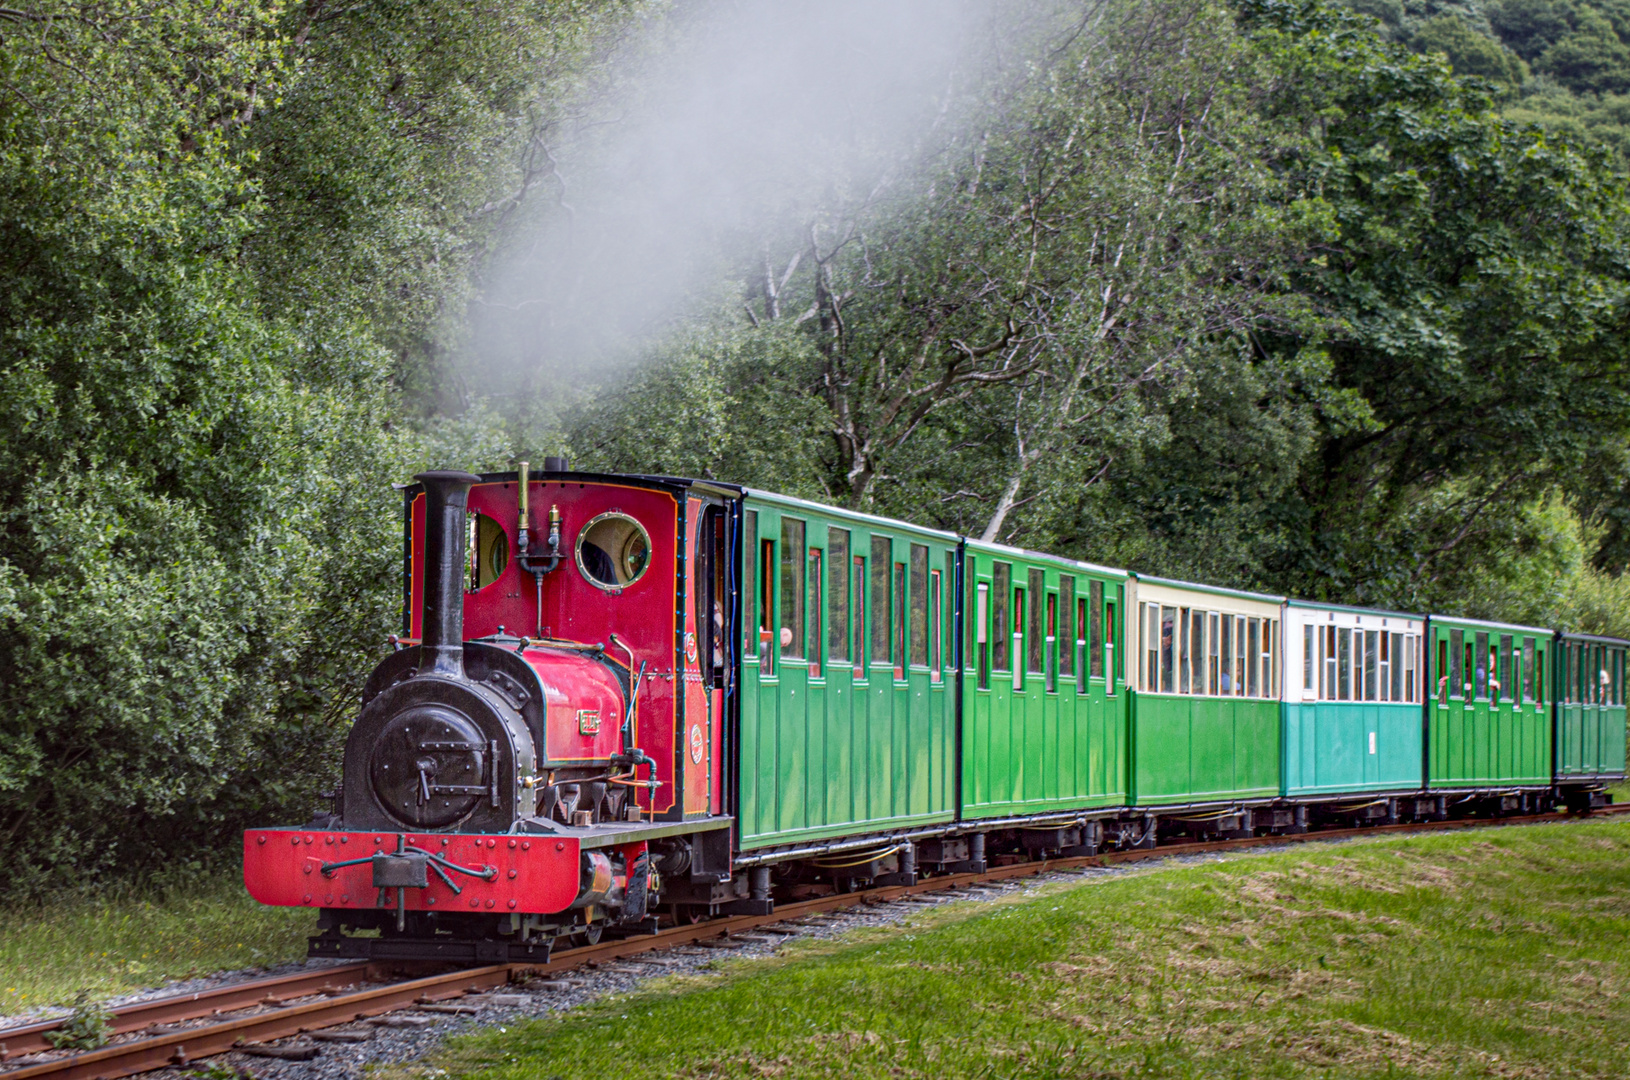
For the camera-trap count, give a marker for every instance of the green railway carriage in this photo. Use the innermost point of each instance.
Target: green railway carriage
(1588, 687)
(1205, 724)
(848, 712)
(1351, 701)
(1488, 716)
(1044, 701)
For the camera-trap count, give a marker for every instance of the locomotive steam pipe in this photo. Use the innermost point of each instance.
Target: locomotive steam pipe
(447, 495)
(549, 559)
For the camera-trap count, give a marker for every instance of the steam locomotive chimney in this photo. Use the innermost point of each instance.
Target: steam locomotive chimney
(442, 619)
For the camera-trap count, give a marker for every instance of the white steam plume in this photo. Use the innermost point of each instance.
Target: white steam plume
(726, 122)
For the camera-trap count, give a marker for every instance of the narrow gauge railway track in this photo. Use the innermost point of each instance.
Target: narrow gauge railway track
(311, 1000)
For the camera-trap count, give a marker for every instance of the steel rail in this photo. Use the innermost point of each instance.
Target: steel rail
(30, 1038)
(182, 1046)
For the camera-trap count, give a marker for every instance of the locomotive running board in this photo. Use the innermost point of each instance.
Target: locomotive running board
(447, 950)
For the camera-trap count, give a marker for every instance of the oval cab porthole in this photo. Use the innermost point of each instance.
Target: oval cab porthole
(613, 551)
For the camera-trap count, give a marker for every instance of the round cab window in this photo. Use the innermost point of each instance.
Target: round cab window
(613, 550)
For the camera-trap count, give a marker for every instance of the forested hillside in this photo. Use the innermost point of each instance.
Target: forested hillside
(1564, 64)
(1267, 294)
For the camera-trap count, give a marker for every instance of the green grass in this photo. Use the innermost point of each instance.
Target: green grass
(1497, 953)
(122, 943)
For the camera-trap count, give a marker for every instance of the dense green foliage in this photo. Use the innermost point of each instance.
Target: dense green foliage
(1564, 64)
(1263, 294)
(225, 232)
(1299, 309)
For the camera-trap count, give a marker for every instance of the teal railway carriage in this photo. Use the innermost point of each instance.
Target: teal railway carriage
(1488, 710)
(847, 709)
(1588, 688)
(1351, 701)
(1044, 700)
(1204, 725)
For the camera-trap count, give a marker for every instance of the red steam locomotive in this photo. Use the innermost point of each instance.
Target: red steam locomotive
(541, 750)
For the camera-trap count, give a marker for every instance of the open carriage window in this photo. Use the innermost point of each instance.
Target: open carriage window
(792, 588)
(613, 551)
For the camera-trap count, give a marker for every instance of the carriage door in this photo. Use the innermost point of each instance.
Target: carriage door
(708, 644)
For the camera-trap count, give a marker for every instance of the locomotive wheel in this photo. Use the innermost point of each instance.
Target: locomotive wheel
(589, 935)
(689, 914)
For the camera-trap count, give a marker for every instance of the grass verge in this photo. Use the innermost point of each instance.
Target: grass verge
(124, 942)
(1498, 953)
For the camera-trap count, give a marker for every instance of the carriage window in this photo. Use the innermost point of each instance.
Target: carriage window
(1539, 677)
(1460, 666)
(973, 631)
(792, 587)
(1508, 675)
(1482, 669)
(1183, 658)
(882, 632)
(1081, 646)
(1037, 644)
(1000, 631)
(1253, 630)
(1372, 671)
(766, 605)
(1270, 653)
(1095, 630)
(1308, 662)
(1197, 665)
(749, 594)
(1399, 661)
(981, 629)
(1344, 664)
(816, 609)
(613, 551)
(486, 551)
(898, 656)
(837, 591)
(1412, 665)
(1213, 647)
(1051, 659)
(1149, 660)
(857, 612)
(1168, 624)
(919, 605)
(1327, 665)
(1528, 669)
(1067, 633)
(1112, 669)
(935, 625)
(1226, 682)
(948, 591)
(1242, 657)
(1018, 632)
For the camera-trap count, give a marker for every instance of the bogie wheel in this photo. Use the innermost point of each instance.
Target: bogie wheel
(589, 935)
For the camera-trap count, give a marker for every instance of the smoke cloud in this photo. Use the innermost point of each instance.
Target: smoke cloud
(722, 124)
